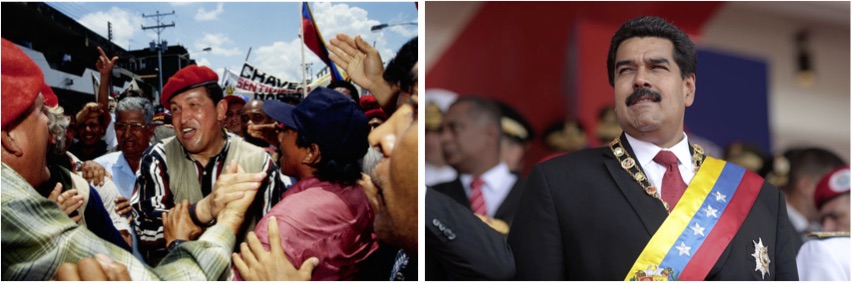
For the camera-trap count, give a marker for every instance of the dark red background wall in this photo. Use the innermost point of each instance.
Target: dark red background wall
(548, 59)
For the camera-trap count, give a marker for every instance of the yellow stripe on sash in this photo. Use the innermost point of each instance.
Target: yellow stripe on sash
(679, 218)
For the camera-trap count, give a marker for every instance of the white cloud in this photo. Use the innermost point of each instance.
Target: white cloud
(283, 59)
(124, 24)
(203, 15)
(179, 4)
(203, 62)
(219, 43)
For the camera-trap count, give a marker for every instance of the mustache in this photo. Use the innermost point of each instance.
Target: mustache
(371, 158)
(640, 94)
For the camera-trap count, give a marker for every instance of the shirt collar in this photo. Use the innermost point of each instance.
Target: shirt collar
(645, 152)
(221, 153)
(493, 177)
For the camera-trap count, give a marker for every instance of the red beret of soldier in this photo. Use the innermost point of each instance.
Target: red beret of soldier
(187, 78)
(22, 81)
(832, 185)
(371, 108)
(50, 98)
(234, 99)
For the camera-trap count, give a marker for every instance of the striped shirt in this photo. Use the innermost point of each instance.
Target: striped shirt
(152, 195)
(38, 237)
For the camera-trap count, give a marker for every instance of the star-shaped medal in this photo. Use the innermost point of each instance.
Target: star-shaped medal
(720, 196)
(698, 230)
(762, 258)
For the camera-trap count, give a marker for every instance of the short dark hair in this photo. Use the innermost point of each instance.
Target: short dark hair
(339, 170)
(344, 84)
(400, 66)
(684, 52)
(214, 91)
(810, 162)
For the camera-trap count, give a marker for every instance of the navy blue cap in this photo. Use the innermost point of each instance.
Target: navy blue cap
(334, 122)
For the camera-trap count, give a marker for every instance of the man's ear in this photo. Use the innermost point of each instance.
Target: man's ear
(312, 155)
(10, 145)
(221, 109)
(689, 90)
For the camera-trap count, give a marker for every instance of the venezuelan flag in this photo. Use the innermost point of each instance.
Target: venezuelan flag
(313, 39)
(692, 238)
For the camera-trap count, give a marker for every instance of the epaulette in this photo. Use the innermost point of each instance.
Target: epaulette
(826, 235)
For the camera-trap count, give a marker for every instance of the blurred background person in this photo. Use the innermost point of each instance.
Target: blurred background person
(808, 165)
(515, 141)
(436, 169)
(827, 256)
(232, 115)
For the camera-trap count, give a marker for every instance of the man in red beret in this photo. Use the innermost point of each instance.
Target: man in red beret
(38, 236)
(827, 256)
(375, 115)
(232, 115)
(188, 166)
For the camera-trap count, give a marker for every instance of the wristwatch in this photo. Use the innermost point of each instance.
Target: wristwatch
(78, 165)
(175, 244)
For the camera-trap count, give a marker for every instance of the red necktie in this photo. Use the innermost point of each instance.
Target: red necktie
(672, 185)
(478, 205)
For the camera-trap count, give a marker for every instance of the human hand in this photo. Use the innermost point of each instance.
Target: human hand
(496, 224)
(122, 206)
(177, 224)
(232, 194)
(104, 64)
(263, 131)
(68, 201)
(94, 172)
(257, 264)
(361, 61)
(98, 268)
(371, 191)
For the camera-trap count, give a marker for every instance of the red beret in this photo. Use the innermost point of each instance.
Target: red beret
(371, 108)
(22, 81)
(187, 78)
(50, 98)
(832, 185)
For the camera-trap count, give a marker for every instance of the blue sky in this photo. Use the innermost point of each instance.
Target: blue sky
(271, 29)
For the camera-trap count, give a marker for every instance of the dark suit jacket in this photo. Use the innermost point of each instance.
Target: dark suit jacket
(460, 246)
(582, 217)
(505, 212)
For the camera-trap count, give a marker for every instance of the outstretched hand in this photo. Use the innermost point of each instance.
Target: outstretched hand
(362, 63)
(257, 264)
(104, 63)
(68, 201)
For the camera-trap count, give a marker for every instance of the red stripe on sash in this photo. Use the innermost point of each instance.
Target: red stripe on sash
(725, 229)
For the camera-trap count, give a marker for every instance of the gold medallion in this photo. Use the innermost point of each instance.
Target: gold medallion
(628, 163)
(638, 176)
(618, 151)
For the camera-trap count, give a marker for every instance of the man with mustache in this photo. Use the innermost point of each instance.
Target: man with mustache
(189, 165)
(650, 205)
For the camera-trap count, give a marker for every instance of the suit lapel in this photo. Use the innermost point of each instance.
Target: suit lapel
(649, 209)
(510, 202)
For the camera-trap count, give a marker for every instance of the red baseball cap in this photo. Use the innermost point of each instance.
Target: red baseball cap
(187, 78)
(22, 81)
(832, 185)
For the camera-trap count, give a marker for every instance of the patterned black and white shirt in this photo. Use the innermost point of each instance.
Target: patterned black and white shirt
(152, 195)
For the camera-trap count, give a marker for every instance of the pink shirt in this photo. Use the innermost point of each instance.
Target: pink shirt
(323, 220)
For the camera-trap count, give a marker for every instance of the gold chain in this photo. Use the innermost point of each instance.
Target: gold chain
(630, 166)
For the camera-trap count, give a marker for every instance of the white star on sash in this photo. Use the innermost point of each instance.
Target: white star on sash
(698, 230)
(720, 196)
(711, 211)
(683, 249)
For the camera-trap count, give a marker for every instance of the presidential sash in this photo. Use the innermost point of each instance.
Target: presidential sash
(706, 218)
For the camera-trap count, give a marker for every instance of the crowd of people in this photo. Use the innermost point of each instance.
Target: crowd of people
(652, 202)
(214, 187)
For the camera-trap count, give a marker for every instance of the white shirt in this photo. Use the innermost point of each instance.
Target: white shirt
(645, 153)
(434, 175)
(497, 182)
(825, 260)
(123, 176)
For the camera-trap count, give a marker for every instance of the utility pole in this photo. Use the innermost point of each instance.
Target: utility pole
(161, 46)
